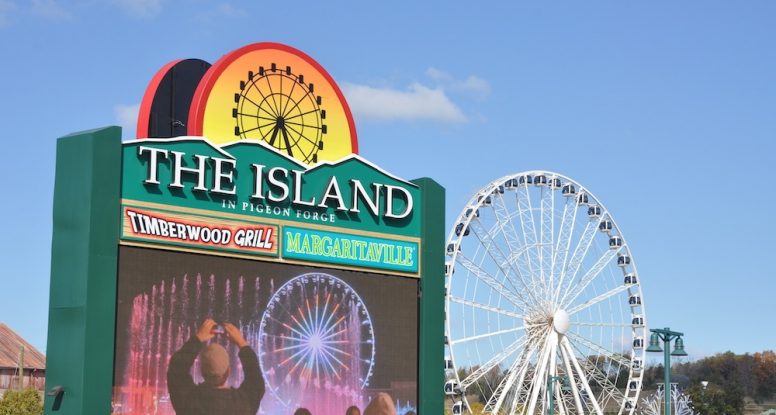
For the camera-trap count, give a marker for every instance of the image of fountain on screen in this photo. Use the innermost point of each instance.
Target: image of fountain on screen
(206, 334)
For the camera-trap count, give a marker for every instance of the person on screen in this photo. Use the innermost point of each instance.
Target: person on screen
(353, 410)
(213, 396)
(381, 405)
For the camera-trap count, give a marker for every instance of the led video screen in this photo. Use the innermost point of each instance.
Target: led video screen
(208, 334)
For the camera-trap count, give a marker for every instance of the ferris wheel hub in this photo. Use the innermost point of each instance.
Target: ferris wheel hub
(560, 321)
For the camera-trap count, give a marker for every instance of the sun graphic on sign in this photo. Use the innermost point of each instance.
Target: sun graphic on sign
(277, 95)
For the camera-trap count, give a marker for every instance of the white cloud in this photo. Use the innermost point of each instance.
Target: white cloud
(473, 85)
(6, 8)
(141, 8)
(417, 103)
(50, 9)
(126, 117)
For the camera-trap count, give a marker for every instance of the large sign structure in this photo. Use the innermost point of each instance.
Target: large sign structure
(246, 259)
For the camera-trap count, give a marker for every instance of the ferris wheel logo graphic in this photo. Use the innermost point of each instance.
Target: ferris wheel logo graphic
(279, 107)
(316, 338)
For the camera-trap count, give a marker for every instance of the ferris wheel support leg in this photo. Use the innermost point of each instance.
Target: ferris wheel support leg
(572, 381)
(539, 381)
(519, 373)
(553, 372)
(582, 376)
(560, 403)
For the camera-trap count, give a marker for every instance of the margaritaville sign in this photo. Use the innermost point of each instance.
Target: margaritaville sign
(239, 256)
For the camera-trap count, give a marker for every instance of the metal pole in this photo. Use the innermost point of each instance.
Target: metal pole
(667, 372)
(551, 391)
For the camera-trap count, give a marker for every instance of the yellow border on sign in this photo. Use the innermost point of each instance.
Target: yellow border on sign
(271, 221)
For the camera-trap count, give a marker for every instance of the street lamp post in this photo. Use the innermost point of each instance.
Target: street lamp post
(654, 346)
(551, 390)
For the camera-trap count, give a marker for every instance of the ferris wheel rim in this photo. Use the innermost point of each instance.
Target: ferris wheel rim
(464, 219)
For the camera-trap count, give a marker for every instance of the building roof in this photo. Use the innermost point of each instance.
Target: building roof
(10, 349)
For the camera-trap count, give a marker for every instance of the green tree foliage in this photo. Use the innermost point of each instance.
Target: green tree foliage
(26, 402)
(752, 375)
(715, 400)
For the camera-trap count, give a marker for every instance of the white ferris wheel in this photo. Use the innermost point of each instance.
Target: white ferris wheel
(544, 310)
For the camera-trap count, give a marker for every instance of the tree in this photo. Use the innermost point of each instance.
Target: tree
(716, 400)
(26, 402)
(764, 374)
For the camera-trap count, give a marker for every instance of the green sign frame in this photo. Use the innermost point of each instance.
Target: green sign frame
(87, 229)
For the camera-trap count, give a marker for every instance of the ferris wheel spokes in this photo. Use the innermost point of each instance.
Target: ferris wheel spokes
(486, 335)
(490, 280)
(546, 236)
(566, 231)
(572, 293)
(525, 211)
(519, 252)
(580, 251)
(599, 299)
(486, 307)
(499, 260)
(492, 363)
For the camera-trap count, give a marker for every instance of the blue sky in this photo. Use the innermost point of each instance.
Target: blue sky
(665, 110)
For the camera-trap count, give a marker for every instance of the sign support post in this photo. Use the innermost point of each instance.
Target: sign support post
(83, 269)
(431, 376)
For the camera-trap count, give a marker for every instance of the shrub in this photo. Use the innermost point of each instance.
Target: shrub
(26, 402)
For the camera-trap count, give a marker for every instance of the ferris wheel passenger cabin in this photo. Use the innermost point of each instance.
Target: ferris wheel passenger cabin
(630, 279)
(638, 343)
(486, 201)
(634, 300)
(630, 404)
(452, 388)
(511, 184)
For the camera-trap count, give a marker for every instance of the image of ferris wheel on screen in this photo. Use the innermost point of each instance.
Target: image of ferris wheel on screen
(317, 344)
(325, 339)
